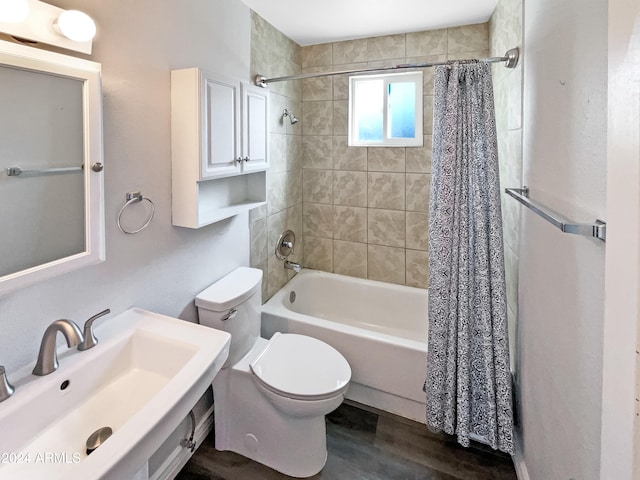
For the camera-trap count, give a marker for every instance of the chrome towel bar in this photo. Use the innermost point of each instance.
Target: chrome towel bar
(598, 229)
(17, 171)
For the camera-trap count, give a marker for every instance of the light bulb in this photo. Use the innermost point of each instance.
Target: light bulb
(76, 25)
(13, 11)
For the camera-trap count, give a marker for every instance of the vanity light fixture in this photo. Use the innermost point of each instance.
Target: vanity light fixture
(13, 11)
(75, 25)
(44, 23)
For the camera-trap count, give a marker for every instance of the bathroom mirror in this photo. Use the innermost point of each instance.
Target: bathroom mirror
(51, 181)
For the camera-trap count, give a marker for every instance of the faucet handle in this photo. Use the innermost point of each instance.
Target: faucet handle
(6, 389)
(90, 339)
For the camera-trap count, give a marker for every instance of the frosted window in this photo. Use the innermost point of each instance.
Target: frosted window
(369, 111)
(402, 110)
(386, 110)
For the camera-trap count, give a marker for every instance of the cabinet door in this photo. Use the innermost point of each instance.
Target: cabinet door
(254, 128)
(220, 110)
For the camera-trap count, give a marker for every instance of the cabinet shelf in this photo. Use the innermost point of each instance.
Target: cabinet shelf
(218, 147)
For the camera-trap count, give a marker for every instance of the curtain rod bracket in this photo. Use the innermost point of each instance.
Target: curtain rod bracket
(511, 57)
(261, 80)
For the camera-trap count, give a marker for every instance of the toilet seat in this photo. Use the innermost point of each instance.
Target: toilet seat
(301, 367)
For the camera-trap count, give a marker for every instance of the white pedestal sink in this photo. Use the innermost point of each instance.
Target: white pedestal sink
(141, 380)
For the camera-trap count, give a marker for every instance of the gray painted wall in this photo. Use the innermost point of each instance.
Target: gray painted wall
(561, 277)
(162, 268)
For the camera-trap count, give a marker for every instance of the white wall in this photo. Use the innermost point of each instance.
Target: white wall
(561, 286)
(163, 267)
(620, 404)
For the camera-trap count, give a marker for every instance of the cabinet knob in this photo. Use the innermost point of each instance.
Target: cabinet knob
(238, 160)
(246, 159)
(97, 167)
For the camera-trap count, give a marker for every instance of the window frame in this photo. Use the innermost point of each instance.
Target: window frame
(416, 77)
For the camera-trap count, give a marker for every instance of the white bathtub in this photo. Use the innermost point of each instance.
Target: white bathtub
(380, 328)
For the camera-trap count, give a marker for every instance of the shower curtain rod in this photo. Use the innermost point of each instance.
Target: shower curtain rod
(510, 58)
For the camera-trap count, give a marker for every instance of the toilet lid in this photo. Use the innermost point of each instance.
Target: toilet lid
(299, 366)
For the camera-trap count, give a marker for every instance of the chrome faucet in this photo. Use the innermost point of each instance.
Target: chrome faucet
(6, 389)
(47, 356)
(296, 267)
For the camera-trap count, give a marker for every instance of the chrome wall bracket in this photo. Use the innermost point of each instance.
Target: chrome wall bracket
(597, 229)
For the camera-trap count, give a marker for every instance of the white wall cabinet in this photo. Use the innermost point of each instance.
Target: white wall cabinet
(219, 148)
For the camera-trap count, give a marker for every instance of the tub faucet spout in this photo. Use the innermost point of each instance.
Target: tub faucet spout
(296, 267)
(47, 356)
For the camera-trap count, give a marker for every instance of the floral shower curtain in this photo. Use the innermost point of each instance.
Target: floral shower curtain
(468, 384)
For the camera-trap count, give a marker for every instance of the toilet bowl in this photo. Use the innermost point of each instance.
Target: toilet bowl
(271, 396)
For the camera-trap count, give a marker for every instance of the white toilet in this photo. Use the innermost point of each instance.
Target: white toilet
(271, 396)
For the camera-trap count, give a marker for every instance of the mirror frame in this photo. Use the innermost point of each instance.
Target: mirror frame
(30, 58)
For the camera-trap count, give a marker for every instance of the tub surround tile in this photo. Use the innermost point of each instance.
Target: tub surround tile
(258, 241)
(294, 107)
(418, 191)
(346, 157)
(430, 42)
(350, 51)
(350, 258)
(317, 118)
(386, 159)
(350, 223)
(294, 151)
(341, 82)
(257, 213)
(277, 103)
(317, 152)
(318, 253)
(381, 195)
(277, 153)
(350, 188)
(418, 159)
(386, 264)
(386, 227)
(294, 187)
(317, 220)
(340, 117)
(427, 115)
(417, 268)
(276, 224)
(389, 46)
(427, 73)
(469, 38)
(417, 231)
(469, 55)
(273, 54)
(294, 223)
(277, 275)
(390, 62)
(276, 192)
(317, 186)
(386, 190)
(511, 262)
(317, 55)
(316, 88)
(514, 98)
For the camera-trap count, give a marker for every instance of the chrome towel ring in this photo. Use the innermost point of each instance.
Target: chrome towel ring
(135, 197)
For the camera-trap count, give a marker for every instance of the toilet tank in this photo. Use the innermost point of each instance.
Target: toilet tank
(232, 304)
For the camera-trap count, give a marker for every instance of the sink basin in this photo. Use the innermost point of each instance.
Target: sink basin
(141, 380)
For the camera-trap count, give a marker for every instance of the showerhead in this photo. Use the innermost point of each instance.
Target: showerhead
(292, 118)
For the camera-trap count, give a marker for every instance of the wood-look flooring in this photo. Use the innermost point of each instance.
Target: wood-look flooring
(364, 445)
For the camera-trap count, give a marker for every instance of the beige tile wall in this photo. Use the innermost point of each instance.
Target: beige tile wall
(275, 55)
(365, 210)
(506, 33)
